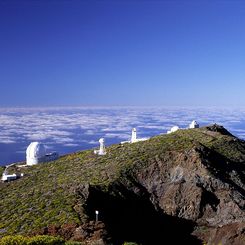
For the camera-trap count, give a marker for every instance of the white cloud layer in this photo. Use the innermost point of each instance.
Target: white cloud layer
(72, 127)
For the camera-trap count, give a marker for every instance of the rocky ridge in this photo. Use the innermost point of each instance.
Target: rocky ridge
(184, 187)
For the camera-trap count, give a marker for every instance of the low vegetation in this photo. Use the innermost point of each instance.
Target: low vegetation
(36, 240)
(46, 195)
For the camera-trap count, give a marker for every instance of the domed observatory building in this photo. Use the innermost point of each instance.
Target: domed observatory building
(36, 153)
(173, 129)
(194, 124)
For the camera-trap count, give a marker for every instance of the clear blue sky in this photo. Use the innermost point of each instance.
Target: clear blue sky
(75, 52)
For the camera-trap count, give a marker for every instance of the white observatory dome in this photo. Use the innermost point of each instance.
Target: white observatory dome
(35, 153)
(174, 129)
(194, 124)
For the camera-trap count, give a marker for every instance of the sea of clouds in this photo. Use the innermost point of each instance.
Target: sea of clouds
(75, 128)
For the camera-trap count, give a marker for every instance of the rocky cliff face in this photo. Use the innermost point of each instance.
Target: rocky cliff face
(184, 188)
(192, 195)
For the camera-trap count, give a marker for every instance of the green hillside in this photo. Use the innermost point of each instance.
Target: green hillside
(47, 194)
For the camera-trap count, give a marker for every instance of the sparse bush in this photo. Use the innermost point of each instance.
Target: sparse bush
(13, 240)
(36, 240)
(43, 239)
(73, 243)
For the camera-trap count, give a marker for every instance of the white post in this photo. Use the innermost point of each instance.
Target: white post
(133, 138)
(96, 215)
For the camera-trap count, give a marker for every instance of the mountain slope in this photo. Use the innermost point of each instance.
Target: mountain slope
(185, 186)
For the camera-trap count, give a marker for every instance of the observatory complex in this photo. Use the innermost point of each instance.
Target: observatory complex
(36, 153)
(193, 124)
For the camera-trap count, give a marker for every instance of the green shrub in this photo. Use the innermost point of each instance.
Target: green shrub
(48, 240)
(36, 240)
(13, 240)
(73, 243)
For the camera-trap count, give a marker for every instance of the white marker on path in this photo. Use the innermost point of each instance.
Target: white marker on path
(96, 215)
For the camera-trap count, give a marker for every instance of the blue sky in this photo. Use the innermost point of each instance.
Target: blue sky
(157, 53)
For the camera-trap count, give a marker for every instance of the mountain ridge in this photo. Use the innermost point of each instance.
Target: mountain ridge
(189, 183)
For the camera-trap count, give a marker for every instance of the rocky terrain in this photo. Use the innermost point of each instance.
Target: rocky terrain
(186, 187)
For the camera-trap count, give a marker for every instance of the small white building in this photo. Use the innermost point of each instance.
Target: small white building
(194, 124)
(101, 150)
(10, 177)
(134, 137)
(36, 153)
(173, 129)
